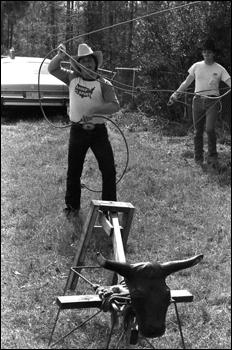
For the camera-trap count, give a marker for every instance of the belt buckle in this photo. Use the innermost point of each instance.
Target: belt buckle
(88, 126)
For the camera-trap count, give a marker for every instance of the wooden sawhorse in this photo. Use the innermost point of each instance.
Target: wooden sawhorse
(119, 233)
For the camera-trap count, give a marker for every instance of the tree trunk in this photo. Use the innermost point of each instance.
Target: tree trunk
(53, 26)
(111, 39)
(67, 31)
(130, 35)
(11, 33)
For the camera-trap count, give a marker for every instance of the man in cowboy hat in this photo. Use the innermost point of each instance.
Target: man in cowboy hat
(91, 99)
(207, 75)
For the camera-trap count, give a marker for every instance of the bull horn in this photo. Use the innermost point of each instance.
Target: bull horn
(123, 269)
(174, 266)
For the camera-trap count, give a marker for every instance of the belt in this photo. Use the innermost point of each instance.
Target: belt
(88, 125)
(205, 96)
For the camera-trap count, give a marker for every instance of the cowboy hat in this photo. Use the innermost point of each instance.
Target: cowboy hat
(208, 44)
(85, 50)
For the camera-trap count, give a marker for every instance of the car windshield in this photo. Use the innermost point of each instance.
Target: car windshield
(25, 67)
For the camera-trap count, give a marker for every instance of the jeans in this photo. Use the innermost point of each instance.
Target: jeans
(79, 142)
(205, 110)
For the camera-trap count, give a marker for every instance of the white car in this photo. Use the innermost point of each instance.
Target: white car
(19, 83)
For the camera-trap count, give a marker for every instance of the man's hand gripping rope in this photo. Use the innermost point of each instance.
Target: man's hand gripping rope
(173, 98)
(61, 51)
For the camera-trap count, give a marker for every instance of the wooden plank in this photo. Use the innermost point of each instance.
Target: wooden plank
(98, 231)
(78, 301)
(119, 242)
(106, 225)
(127, 218)
(181, 296)
(82, 245)
(88, 301)
(119, 207)
(119, 254)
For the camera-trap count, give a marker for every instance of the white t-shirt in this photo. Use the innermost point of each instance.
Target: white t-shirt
(84, 94)
(207, 77)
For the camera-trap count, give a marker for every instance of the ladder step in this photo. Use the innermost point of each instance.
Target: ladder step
(93, 300)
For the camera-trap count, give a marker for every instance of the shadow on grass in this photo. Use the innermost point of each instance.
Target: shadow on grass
(220, 173)
(14, 114)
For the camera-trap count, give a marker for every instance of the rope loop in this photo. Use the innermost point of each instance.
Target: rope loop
(115, 302)
(113, 298)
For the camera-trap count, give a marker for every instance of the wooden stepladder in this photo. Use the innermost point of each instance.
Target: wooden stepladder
(107, 213)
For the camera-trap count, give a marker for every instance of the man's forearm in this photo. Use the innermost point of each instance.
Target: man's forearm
(182, 87)
(54, 64)
(107, 108)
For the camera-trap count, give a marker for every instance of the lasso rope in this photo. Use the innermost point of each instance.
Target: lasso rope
(113, 298)
(127, 156)
(132, 89)
(101, 29)
(90, 72)
(134, 19)
(69, 125)
(140, 89)
(115, 301)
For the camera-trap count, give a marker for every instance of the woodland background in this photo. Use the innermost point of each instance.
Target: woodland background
(163, 44)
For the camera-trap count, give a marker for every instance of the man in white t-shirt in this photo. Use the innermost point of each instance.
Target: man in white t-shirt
(91, 99)
(207, 75)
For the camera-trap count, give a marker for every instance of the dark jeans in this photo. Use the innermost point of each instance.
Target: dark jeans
(205, 110)
(79, 142)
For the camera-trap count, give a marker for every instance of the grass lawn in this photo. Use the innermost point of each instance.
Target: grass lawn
(181, 210)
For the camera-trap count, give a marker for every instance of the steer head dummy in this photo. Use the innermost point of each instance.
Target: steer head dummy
(150, 296)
